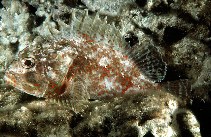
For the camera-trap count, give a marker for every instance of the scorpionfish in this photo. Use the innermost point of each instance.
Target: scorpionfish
(95, 60)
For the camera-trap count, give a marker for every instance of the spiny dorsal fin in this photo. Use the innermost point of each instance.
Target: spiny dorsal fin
(75, 22)
(95, 28)
(149, 61)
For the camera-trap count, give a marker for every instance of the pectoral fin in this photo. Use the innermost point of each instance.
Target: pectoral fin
(76, 96)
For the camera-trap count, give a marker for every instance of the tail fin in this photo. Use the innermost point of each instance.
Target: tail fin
(180, 88)
(149, 61)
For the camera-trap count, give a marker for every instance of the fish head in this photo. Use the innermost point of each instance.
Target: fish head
(27, 73)
(40, 70)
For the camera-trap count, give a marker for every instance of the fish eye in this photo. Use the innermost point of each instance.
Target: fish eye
(28, 62)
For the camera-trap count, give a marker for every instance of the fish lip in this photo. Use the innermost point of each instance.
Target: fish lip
(8, 78)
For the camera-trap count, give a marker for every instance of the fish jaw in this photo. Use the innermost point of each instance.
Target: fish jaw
(10, 79)
(15, 76)
(10, 75)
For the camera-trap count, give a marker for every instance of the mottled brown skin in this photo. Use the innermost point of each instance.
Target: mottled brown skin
(63, 65)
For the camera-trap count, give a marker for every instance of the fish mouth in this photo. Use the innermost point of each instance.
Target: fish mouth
(10, 79)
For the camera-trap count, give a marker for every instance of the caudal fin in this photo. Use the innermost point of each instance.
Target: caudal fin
(180, 88)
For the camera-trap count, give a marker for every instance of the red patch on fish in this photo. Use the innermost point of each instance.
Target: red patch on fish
(99, 69)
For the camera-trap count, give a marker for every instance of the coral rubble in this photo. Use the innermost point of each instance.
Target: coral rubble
(180, 30)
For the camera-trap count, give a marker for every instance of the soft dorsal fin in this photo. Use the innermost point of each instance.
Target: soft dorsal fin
(149, 61)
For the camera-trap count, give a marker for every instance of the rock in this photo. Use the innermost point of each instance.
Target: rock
(179, 29)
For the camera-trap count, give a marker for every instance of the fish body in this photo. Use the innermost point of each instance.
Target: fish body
(55, 69)
(95, 62)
